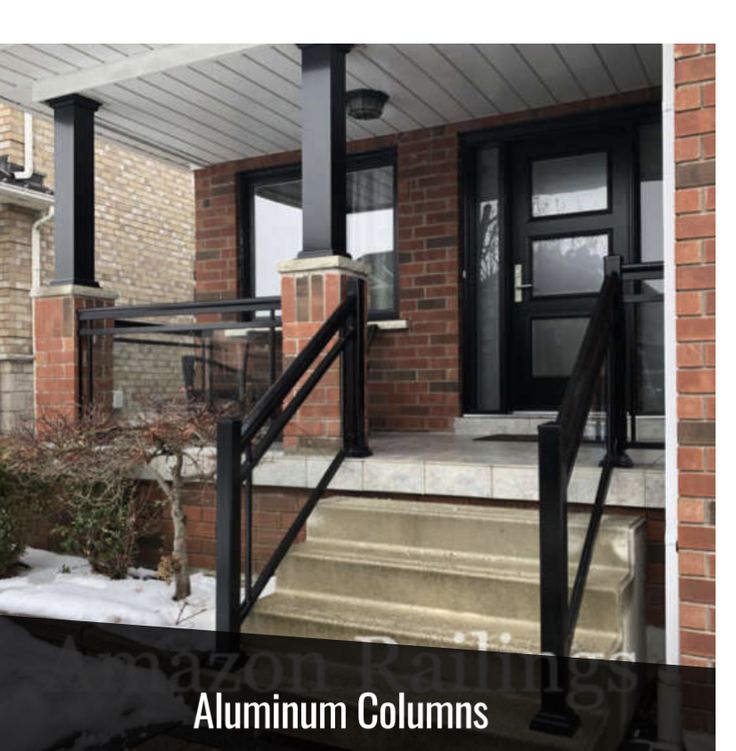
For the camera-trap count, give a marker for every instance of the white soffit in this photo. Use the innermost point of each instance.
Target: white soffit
(204, 104)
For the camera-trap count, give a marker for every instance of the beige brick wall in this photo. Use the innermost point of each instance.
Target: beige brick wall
(144, 244)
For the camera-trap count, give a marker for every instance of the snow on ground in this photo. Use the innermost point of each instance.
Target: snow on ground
(63, 586)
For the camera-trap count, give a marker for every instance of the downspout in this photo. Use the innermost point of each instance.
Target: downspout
(669, 704)
(36, 249)
(672, 582)
(36, 285)
(27, 170)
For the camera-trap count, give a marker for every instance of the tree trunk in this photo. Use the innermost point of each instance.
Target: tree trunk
(180, 557)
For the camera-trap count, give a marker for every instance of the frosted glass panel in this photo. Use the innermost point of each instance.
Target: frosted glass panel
(570, 185)
(555, 345)
(650, 191)
(569, 265)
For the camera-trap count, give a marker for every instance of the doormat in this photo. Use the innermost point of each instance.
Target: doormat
(522, 438)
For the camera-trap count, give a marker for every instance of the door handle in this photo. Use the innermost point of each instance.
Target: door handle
(519, 286)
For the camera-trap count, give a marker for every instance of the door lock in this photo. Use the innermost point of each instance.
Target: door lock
(519, 286)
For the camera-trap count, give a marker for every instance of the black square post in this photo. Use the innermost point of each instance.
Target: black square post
(555, 715)
(74, 186)
(227, 530)
(616, 440)
(323, 149)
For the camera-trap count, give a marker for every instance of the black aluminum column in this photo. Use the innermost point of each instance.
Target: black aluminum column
(74, 187)
(323, 149)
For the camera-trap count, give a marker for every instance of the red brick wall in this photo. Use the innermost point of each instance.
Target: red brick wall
(695, 259)
(308, 299)
(414, 375)
(59, 391)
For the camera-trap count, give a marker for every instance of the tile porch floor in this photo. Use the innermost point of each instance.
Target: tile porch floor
(448, 464)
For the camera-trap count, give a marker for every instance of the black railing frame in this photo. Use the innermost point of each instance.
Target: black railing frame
(119, 322)
(559, 441)
(342, 336)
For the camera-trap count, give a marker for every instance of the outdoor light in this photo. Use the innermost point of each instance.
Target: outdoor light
(365, 104)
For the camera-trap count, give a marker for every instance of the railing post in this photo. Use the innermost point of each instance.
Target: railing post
(353, 376)
(555, 715)
(616, 439)
(227, 591)
(248, 574)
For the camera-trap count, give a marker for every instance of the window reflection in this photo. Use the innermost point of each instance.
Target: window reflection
(555, 345)
(488, 280)
(649, 316)
(370, 230)
(277, 231)
(569, 265)
(570, 185)
(277, 218)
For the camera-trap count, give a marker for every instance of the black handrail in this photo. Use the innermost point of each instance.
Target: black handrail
(241, 445)
(155, 310)
(559, 442)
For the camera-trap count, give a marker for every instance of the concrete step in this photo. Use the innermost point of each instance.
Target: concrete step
(485, 530)
(324, 616)
(423, 573)
(460, 584)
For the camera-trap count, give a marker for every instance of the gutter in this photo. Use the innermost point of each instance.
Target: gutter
(17, 195)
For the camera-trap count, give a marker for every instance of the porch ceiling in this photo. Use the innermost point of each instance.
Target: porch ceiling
(204, 104)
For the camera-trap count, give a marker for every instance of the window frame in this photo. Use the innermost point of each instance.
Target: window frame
(248, 180)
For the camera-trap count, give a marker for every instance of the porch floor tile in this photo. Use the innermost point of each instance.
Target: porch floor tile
(448, 464)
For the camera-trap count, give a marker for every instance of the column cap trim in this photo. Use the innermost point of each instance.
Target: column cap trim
(74, 290)
(78, 100)
(324, 263)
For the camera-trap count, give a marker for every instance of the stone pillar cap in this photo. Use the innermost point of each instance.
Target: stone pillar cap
(74, 290)
(324, 263)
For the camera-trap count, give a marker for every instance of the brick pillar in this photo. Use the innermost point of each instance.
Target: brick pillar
(59, 355)
(311, 289)
(695, 259)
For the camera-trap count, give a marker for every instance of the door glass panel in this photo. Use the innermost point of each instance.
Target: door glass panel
(555, 345)
(650, 191)
(650, 351)
(570, 185)
(487, 231)
(650, 316)
(569, 265)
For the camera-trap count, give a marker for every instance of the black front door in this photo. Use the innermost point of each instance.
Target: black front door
(570, 206)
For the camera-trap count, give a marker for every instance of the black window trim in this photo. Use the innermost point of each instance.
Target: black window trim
(248, 180)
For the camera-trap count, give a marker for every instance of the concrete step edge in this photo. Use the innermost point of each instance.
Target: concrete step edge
(308, 607)
(482, 512)
(425, 559)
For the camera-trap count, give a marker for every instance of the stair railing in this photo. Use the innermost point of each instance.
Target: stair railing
(559, 441)
(242, 444)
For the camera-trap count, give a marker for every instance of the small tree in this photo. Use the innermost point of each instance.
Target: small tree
(169, 437)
